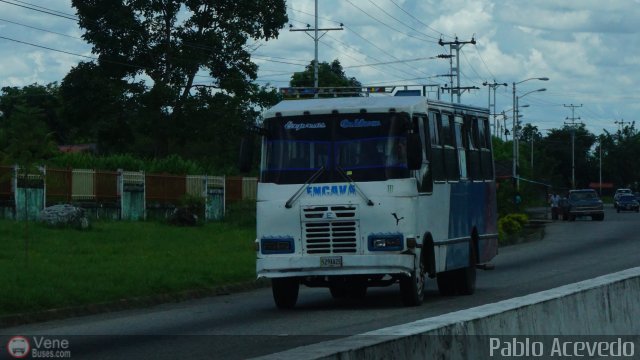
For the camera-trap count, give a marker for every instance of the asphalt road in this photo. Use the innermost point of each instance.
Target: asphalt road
(248, 324)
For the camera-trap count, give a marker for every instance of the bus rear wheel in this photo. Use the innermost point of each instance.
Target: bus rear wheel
(285, 292)
(460, 281)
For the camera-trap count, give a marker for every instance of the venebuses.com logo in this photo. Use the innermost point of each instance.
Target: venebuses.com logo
(38, 347)
(18, 347)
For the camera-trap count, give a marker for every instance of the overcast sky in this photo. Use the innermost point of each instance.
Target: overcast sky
(589, 49)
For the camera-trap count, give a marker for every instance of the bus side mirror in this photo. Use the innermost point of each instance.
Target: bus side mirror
(246, 153)
(414, 152)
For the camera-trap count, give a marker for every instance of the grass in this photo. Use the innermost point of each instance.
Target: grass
(115, 260)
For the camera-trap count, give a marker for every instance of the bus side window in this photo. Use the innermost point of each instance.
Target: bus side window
(474, 161)
(484, 137)
(461, 145)
(435, 151)
(425, 174)
(450, 153)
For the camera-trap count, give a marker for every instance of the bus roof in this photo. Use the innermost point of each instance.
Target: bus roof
(373, 104)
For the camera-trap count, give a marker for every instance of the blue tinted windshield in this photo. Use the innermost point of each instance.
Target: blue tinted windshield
(368, 147)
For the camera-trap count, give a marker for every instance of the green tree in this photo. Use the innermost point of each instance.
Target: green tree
(44, 100)
(101, 109)
(329, 75)
(617, 150)
(175, 43)
(24, 137)
(558, 156)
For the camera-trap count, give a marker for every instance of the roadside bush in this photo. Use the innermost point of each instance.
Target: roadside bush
(510, 225)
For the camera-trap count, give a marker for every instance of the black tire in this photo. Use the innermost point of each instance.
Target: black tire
(466, 283)
(412, 287)
(459, 281)
(285, 292)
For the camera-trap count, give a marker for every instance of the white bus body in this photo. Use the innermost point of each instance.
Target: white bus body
(335, 210)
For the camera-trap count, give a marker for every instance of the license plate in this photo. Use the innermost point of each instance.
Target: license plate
(331, 261)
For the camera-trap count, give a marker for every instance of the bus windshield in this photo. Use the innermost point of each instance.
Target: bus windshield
(367, 147)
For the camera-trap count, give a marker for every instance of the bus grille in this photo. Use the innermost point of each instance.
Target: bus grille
(330, 229)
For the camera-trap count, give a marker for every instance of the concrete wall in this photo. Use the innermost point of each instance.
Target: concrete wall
(608, 306)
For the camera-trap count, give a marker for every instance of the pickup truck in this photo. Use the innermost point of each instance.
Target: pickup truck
(584, 202)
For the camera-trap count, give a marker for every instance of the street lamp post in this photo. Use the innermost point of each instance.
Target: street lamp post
(515, 117)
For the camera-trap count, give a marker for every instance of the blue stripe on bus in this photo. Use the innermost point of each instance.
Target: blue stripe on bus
(472, 204)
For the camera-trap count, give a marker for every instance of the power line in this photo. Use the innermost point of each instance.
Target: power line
(42, 7)
(418, 20)
(367, 41)
(51, 49)
(40, 29)
(391, 62)
(389, 26)
(485, 64)
(48, 11)
(83, 56)
(402, 22)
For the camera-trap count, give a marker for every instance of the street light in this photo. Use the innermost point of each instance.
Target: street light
(515, 117)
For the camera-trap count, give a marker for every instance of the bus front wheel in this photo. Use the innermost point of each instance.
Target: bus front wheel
(285, 292)
(412, 287)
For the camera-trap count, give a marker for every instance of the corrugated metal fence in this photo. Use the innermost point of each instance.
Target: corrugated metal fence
(123, 195)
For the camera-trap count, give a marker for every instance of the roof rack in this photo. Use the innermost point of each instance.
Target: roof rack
(338, 91)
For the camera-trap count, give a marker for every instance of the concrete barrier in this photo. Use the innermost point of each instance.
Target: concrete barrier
(604, 309)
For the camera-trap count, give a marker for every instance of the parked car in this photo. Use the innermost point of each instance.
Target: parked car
(628, 203)
(618, 193)
(584, 202)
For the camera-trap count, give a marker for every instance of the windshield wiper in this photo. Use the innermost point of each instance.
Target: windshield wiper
(297, 194)
(351, 182)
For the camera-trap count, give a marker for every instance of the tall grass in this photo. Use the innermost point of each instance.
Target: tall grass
(116, 260)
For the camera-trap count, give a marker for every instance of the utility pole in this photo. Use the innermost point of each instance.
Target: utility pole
(493, 87)
(600, 172)
(315, 38)
(455, 72)
(572, 125)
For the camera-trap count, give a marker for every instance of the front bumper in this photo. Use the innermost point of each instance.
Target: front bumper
(627, 207)
(281, 266)
(587, 212)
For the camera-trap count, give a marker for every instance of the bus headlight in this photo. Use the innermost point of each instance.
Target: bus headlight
(277, 245)
(386, 242)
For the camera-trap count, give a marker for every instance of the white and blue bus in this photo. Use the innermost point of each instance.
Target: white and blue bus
(356, 192)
